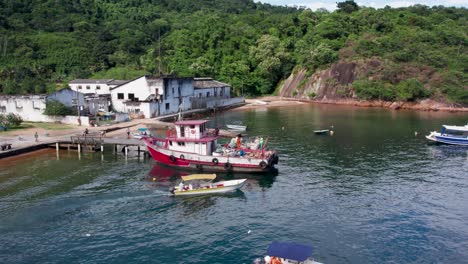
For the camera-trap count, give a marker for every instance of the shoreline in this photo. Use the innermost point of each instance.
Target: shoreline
(24, 139)
(425, 105)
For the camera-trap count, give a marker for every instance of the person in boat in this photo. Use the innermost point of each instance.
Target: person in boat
(239, 140)
(272, 260)
(261, 142)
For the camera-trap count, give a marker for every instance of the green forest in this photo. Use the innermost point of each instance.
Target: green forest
(252, 46)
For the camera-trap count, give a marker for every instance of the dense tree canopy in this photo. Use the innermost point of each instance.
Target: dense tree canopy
(253, 46)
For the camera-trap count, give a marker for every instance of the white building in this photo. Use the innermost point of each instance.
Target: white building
(148, 96)
(90, 86)
(32, 107)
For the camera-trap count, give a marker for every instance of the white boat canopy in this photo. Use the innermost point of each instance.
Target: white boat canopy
(456, 128)
(199, 177)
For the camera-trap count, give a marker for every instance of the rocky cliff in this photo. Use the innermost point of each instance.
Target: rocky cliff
(334, 85)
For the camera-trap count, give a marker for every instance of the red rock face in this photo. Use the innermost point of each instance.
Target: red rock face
(334, 86)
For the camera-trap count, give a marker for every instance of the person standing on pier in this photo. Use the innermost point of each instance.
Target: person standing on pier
(128, 133)
(36, 136)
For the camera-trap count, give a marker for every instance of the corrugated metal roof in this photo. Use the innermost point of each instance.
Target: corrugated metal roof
(92, 81)
(200, 83)
(117, 82)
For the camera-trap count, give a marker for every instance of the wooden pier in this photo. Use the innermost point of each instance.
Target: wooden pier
(88, 143)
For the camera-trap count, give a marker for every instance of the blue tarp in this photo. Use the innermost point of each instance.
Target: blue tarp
(142, 129)
(290, 251)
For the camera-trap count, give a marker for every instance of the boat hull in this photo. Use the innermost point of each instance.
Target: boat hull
(235, 127)
(204, 163)
(237, 184)
(451, 140)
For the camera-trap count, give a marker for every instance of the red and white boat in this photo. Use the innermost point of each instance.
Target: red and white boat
(191, 146)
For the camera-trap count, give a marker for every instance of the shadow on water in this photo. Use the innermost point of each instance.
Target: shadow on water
(166, 176)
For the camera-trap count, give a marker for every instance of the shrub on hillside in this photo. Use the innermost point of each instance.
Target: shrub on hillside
(369, 90)
(410, 90)
(456, 94)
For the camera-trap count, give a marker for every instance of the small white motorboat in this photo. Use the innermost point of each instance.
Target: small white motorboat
(142, 133)
(289, 253)
(322, 132)
(453, 135)
(197, 184)
(237, 127)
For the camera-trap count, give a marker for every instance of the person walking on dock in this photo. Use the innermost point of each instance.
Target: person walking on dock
(36, 136)
(128, 133)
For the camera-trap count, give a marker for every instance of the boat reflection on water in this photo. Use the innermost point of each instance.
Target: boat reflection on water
(447, 151)
(164, 176)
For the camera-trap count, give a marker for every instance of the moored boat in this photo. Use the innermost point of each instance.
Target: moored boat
(322, 131)
(237, 127)
(142, 132)
(454, 135)
(192, 146)
(197, 184)
(289, 253)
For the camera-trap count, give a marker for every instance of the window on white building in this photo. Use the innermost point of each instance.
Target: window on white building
(167, 106)
(79, 87)
(88, 87)
(208, 94)
(98, 87)
(131, 96)
(120, 96)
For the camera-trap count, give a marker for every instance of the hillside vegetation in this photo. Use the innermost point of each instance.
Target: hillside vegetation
(422, 51)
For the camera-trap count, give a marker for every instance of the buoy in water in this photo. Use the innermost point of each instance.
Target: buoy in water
(415, 133)
(331, 132)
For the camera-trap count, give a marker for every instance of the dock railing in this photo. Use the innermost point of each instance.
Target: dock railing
(87, 140)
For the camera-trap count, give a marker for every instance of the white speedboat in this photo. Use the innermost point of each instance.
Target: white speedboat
(454, 135)
(237, 127)
(289, 253)
(197, 184)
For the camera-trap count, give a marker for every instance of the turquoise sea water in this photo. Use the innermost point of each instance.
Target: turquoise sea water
(371, 193)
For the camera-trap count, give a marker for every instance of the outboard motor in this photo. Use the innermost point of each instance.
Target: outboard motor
(172, 189)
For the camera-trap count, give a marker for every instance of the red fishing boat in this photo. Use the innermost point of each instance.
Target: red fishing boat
(192, 146)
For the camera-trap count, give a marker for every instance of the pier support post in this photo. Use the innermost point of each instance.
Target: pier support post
(79, 147)
(138, 151)
(126, 151)
(57, 147)
(102, 148)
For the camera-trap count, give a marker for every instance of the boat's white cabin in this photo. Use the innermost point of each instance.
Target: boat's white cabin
(192, 136)
(191, 129)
